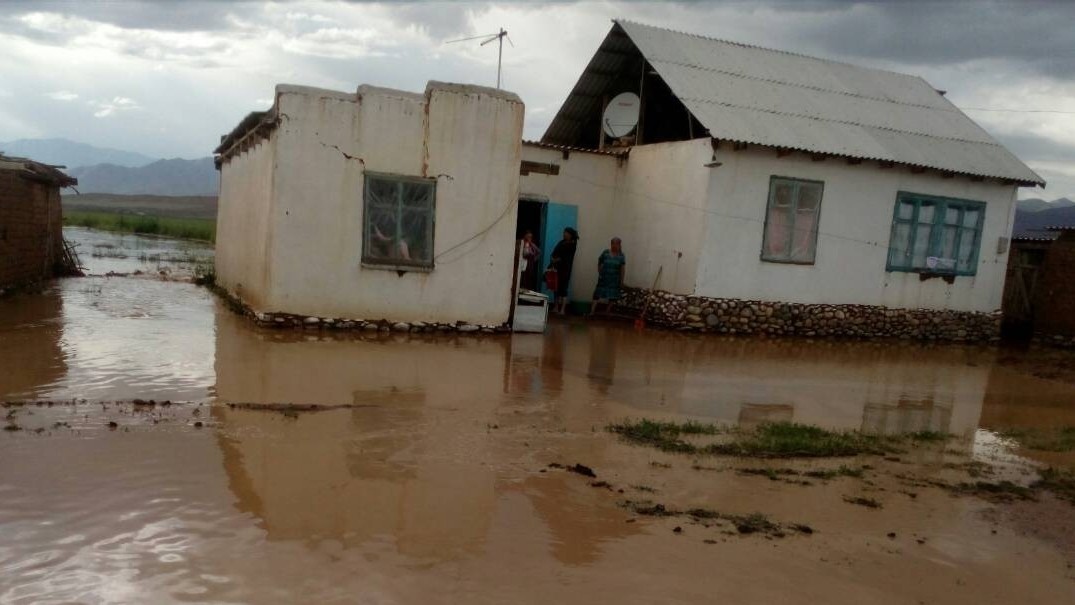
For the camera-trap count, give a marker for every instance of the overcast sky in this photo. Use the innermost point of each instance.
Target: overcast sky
(168, 78)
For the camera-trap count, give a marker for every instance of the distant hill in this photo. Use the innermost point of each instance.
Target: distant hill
(1036, 204)
(150, 205)
(1033, 224)
(72, 154)
(163, 177)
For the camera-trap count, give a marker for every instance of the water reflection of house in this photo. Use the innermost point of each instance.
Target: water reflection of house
(907, 416)
(31, 350)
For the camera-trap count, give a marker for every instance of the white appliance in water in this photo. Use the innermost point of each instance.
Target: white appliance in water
(531, 311)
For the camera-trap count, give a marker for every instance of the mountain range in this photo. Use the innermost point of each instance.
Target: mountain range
(1035, 223)
(1036, 204)
(71, 154)
(163, 177)
(104, 170)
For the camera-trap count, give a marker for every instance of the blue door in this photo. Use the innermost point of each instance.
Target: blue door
(557, 218)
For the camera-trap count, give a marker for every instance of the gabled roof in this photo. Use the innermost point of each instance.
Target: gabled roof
(767, 97)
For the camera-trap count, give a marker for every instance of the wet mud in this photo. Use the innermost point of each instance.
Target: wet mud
(167, 451)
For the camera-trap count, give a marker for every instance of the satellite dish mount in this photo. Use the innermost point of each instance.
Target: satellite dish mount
(620, 117)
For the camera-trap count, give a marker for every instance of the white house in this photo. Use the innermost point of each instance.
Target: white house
(372, 205)
(777, 192)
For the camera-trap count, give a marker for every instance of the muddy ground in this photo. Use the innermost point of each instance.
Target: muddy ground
(443, 469)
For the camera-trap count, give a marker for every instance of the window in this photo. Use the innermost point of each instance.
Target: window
(791, 221)
(935, 235)
(398, 221)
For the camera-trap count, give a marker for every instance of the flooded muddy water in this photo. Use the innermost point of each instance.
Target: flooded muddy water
(430, 480)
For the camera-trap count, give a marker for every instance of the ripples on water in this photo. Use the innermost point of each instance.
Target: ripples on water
(428, 489)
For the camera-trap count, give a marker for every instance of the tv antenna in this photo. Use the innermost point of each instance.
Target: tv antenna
(499, 37)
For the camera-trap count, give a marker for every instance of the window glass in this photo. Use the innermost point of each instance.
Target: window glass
(971, 217)
(967, 246)
(905, 210)
(944, 236)
(899, 253)
(398, 218)
(791, 221)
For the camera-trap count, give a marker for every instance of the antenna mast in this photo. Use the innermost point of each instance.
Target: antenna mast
(499, 37)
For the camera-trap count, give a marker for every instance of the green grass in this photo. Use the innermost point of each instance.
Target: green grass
(744, 524)
(791, 440)
(183, 228)
(1001, 490)
(768, 440)
(1059, 439)
(1060, 482)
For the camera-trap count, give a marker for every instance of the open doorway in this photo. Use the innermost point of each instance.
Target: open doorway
(531, 219)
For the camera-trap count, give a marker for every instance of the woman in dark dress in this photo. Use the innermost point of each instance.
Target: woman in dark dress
(563, 257)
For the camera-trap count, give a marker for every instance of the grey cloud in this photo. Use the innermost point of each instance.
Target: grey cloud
(162, 16)
(1033, 148)
(1035, 34)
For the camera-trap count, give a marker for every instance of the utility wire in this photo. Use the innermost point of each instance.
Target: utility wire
(737, 217)
(1060, 111)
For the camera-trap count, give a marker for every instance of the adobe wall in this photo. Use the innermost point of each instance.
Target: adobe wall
(31, 239)
(1054, 319)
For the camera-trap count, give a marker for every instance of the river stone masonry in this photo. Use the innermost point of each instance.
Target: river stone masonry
(289, 320)
(735, 316)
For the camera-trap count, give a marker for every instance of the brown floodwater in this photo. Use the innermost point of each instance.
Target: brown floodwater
(429, 481)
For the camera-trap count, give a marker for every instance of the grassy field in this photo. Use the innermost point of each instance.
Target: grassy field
(202, 229)
(150, 205)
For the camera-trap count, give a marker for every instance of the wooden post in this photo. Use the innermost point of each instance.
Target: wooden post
(641, 103)
(601, 125)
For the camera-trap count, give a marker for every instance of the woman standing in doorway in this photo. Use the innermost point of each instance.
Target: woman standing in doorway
(563, 257)
(610, 268)
(532, 258)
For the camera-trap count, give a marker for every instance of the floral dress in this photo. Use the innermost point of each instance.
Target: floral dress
(608, 276)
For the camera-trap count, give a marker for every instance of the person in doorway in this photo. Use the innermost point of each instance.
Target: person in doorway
(532, 259)
(563, 258)
(610, 269)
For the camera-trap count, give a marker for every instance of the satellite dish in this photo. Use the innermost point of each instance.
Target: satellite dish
(621, 115)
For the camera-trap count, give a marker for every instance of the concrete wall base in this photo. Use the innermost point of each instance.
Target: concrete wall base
(278, 320)
(734, 316)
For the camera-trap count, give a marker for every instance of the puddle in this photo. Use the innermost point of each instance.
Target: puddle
(433, 484)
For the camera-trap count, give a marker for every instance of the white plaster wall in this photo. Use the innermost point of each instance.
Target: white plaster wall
(660, 213)
(854, 228)
(586, 180)
(468, 135)
(654, 201)
(243, 212)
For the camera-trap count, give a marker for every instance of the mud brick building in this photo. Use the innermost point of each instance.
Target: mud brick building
(1054, 318)
(31, 239)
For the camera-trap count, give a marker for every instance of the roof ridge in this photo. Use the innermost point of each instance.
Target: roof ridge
(992, 143)
(768, 49)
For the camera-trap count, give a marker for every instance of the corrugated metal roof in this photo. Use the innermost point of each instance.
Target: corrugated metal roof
(615, 151)
(767, 97)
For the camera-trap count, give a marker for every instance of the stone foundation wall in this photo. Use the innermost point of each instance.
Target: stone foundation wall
(1057, 340)
(734, 316)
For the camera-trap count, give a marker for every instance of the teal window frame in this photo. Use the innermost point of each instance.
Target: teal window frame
(935, 246)
(795, 184)
(401, 206)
